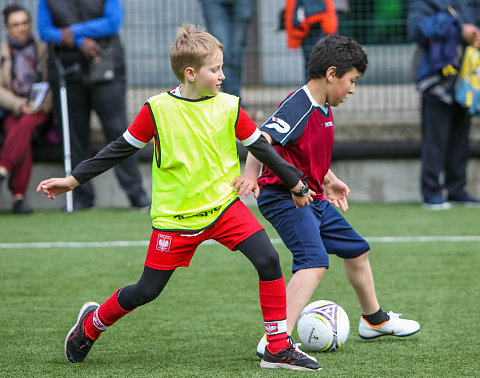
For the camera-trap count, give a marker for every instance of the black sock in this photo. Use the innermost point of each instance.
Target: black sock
(377, 318)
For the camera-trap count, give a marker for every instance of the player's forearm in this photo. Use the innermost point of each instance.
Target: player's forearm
(108, 157)
(329, 177)
(262, 150)
(71, 182)
(252, 166)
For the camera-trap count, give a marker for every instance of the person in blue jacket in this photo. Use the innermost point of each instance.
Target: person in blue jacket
(86, 41)
(442, 28)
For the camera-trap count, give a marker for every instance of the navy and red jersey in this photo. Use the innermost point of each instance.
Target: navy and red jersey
(303, 135)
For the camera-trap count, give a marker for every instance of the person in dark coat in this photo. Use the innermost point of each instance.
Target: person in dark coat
(442, 28)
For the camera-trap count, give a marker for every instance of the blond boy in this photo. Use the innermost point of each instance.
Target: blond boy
(194, 127)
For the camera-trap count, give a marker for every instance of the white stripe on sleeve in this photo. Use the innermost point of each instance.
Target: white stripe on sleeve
(252, 138)
(132, 140)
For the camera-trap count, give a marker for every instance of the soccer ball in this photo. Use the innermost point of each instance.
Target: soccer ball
(323, 326)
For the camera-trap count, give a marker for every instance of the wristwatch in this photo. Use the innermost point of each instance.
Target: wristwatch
(303, 190)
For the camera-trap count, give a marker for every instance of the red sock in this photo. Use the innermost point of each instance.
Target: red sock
(273, 300)
(107, 314)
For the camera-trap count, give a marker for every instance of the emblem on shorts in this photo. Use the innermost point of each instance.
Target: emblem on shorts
(163, 243)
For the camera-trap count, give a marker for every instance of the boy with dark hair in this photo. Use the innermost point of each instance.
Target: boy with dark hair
(302, 132)
(193, 200)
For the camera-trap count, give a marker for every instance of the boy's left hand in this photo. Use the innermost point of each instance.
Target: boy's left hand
(337, 193)
(244, 184)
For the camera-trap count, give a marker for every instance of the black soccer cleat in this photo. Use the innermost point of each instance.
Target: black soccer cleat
(289, 358)
(77, 344)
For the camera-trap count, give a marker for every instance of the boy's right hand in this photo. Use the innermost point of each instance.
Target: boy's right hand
(244, 184)
(54, 186)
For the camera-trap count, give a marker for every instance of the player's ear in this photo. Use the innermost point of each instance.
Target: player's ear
(190, 74)
(331, 73)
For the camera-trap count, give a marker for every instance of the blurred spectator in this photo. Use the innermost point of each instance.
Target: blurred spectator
(23, 62)
(308, 21)
(228, 21)
(439, 27)
(85, 35)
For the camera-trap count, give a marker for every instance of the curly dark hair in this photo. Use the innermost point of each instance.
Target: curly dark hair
(343, 53)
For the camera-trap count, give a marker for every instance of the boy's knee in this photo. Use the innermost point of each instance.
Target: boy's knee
(268, 266)
(146, 294)
(361, 259)
(364, 255)
(270, 259)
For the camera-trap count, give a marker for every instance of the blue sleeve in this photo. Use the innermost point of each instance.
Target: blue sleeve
(436, 26)
(46, 30)
(428, 21)
(101, 27)
(288, 122)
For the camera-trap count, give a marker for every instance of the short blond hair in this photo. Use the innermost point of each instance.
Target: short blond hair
(192, 46)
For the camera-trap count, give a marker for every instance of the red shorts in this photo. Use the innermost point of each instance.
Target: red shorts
(172, 249)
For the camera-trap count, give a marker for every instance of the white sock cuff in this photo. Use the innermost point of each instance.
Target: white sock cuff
(97, 322)
(276, 327)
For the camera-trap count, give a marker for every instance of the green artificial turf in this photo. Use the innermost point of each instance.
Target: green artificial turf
(207, 322)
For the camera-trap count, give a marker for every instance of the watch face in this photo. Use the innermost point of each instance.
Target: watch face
(302, 192)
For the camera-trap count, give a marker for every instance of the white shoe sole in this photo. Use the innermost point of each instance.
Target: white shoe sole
(387, 334)
(274, 365)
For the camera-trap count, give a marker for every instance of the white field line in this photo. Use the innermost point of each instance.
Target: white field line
(127, 243)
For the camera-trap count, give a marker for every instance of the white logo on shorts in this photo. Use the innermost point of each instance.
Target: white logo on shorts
(163, 243)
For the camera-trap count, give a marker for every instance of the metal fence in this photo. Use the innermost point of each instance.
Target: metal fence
(271, 70)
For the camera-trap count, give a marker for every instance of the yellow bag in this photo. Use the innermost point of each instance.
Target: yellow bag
(467, 92)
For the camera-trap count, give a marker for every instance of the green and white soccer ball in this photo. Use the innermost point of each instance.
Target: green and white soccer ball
(323, 326)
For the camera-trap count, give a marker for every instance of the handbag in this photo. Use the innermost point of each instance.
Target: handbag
(102, 68)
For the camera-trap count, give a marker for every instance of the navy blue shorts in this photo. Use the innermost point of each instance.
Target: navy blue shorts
(310, 232)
